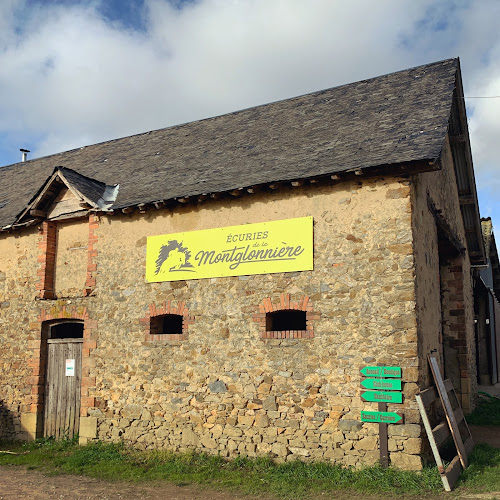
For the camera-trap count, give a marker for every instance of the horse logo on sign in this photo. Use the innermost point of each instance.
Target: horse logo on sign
(173, 257)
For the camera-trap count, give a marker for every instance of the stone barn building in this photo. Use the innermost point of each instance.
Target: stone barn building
(217, 285)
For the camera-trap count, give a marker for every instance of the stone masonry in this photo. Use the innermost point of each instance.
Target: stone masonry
(224, 388)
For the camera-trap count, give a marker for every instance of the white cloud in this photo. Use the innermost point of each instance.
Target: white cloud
(78, 79)
(484, 113)
(73, 78)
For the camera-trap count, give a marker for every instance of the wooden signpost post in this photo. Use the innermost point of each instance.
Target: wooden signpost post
(388, 379)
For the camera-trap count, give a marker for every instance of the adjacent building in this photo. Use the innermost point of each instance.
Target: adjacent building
(487, 310)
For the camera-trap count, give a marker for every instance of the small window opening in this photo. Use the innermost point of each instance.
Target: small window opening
(285, 320)
(66, 331)
(167, 324)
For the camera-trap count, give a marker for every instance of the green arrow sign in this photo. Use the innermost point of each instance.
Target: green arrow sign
(381, 371)
(382, 397)
(381, 384)
(384, 417)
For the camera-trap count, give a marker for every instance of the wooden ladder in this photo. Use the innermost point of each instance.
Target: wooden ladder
(440, 433)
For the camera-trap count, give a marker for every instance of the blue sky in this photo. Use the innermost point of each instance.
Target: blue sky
(77, 72)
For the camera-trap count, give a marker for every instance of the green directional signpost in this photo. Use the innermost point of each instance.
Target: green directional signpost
(381, 384)
(385, 383)
(385, 417)
(381, 371)
(382, 397)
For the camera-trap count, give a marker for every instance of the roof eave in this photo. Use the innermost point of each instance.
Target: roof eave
(389, 170)
(466, 183)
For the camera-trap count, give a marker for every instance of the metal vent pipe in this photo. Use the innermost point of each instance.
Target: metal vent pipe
(24, 154)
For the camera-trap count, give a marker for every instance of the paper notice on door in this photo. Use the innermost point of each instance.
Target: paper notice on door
(70, 368)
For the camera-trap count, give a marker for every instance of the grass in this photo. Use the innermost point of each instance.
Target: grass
(246, 475)
(487, 411)
(290, 480)
(483, 473)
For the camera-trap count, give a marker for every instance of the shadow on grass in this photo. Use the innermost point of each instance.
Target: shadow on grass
(487, 411)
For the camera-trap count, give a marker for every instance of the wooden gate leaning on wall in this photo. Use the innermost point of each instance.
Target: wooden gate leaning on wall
(63, 379)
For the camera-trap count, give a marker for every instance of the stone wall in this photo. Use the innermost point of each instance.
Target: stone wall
(444, 324)
(222, 388)
(18, 269)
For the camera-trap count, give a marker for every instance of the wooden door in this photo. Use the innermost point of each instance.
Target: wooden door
(62, 388)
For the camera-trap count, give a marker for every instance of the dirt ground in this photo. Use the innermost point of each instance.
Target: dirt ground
(486, 435)
(19, 483)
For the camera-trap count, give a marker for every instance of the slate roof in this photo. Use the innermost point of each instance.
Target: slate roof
(90, 188)
(393, 119)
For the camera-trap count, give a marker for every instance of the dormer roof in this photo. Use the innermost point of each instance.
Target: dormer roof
(72, 193)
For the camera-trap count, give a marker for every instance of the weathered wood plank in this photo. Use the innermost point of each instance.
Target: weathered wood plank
(69, 397)
(430, 434)
(78, 387)
(451, 474)
(428, 396)
(431, 394)
(53, 388)
(448, 384)
(467, 428)
(469, 445)
(37, 213)
(63, 341)
(65, 202)
(438, 435)
(74, 390)
(60, 350)
(459, 414)
(450, 415)
(441, 433)
(48, 394)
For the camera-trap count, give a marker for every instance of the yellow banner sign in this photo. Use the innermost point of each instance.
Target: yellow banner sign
(268, 247)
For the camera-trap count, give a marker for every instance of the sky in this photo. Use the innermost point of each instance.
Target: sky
(78, 72)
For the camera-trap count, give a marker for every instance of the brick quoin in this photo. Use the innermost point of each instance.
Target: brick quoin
(38, 365)
(90, 280)
(47, 260)
(285, 303)
(167, 307)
